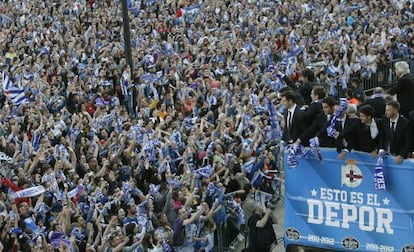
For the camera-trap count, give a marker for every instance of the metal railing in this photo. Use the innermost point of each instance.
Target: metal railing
(384, 76)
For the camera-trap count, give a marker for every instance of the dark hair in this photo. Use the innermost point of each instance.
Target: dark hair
(329, 100)
(319, 91)
(349, 92)
(284, 89)
(129, 229)
(394, 104)
(357, 81)
(289, 95)
(367, 110)
(247, 188)
(310, 76)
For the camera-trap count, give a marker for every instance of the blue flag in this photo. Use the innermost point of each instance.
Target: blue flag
(14, 93)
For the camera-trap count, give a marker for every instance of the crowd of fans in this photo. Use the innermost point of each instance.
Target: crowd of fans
(96, 156)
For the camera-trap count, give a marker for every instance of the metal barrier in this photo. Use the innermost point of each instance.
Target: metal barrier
(385, 76)
(227, 235)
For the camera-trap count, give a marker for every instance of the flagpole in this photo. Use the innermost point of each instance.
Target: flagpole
(127, 46)
(127, 34)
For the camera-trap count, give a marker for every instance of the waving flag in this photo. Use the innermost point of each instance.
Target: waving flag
(204, 172)
(14, 93)
(125, 84)
(28, 192)
(343, 105)
(255, 175)
(273, 118)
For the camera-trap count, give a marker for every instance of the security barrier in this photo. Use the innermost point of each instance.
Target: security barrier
(384, 76)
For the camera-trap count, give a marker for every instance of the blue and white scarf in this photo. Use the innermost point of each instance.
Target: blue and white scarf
(343, 105)
(315, 149)
(274, 122)
(294, 150)
(29, 192)
(204, 172)
(379, 178)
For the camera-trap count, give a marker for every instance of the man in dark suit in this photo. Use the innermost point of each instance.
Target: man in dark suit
(345, 121)
(404, 89)
(293, 125)
(377, 101)
(396, 134)
(320, 124)
(315, 107)
(307, 81)
(299, 99)
(307, 78)
(411, 129)
(363, 135)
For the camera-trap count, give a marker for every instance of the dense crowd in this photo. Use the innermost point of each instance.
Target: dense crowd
(96, 156)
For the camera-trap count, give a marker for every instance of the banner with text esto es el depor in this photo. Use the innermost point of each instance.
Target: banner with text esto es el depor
(333, 205)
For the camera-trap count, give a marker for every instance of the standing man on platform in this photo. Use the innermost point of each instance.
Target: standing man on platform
(397, 137)
(293, 126)
(404, 89)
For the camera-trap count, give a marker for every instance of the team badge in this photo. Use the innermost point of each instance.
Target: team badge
(351, 174)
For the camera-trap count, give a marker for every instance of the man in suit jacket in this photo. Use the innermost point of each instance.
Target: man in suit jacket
(315, 107)
(293, 126)
(307, 82)
(345, 121)
(363, 135)
(377, 101)
(396, 134)
(299, 99)
(411, 129)
(404, 89)
(320, 124)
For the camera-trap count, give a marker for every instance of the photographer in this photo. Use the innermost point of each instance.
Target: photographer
(262, 235)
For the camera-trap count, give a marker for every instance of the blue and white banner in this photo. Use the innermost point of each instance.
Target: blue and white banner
(29, 192)
(191, 13)
(5, 158)
(75, 192)
(334, 206)
(262, 197)
(14, 93)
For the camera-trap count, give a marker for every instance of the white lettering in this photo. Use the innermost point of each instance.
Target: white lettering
(372, 247)
(312, 203)
(337, 214)
(313, 238)
(323, 194)
(377, 247)
(327, 240)
(384, 220)
(4, 157)
(349, 214)
(333, 194)
(372, 199)
(362, 224)
(332, 216)
(356, 198)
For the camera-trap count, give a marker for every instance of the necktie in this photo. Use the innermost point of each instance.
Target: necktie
(391, 139)
(289, 119)
(392, 131)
